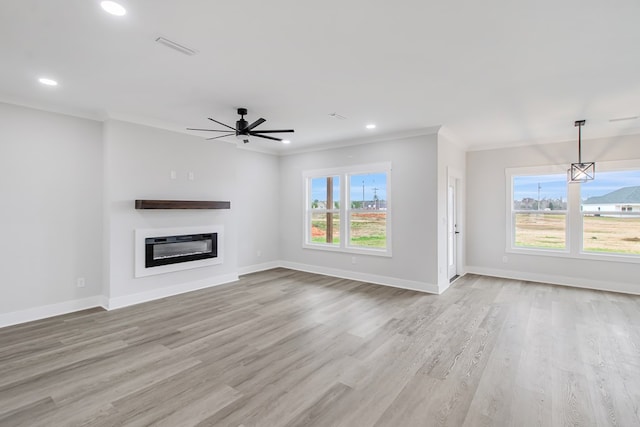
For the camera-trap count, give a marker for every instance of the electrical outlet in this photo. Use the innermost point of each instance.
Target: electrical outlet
(80, 282)
(353, 260)
(173, 175)
(191, 176)
(505, 259)
(259, 253)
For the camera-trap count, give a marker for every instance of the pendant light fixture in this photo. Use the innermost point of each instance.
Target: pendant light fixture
(581, 172)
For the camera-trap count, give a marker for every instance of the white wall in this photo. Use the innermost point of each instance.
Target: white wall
(414, 226)
(69, 186)
(486, 211)
(257, 210)
(50, 211)
(138, 165)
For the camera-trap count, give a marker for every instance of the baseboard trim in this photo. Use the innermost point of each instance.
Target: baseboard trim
(50, 310)
(444, 287)
(364, 277)
(127, 300)
(574, 282)
(259, 267)
(37, 313)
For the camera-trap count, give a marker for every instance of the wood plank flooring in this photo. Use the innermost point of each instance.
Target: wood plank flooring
(286, 348)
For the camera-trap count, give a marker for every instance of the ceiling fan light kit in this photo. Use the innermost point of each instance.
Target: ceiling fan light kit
(243, 130)
(581, 171)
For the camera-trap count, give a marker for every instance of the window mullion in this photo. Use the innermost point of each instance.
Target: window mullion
(574, 219)
(330, 207)
(345, 228)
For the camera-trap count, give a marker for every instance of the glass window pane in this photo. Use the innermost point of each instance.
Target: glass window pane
(325, 228)
(325, 193)
(611, 213)
(611, 235)
(540, 230)
(368, 229)
(540, 193)
(368, 191)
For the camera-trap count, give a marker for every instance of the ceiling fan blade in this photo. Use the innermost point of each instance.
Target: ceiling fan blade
(208, 130)
(264, 136)
(221, 136)
(220, 123)
(256, 123)
(274, 131)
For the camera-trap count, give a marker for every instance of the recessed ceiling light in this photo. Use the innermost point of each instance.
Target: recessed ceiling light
(286, 141)
(371, 126)
(47, 82)
(113, 8)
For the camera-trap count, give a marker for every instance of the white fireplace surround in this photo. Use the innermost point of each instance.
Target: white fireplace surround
(142, 233)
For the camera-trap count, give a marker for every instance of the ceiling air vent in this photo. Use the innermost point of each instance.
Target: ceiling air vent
(337, 116)
(623, 119)
(176, 46)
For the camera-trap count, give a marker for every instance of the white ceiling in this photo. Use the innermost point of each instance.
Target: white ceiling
(493, 73)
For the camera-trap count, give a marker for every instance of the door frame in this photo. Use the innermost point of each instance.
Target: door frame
(455, 177)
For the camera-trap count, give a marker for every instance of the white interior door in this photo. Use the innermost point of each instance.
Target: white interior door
(452, 228)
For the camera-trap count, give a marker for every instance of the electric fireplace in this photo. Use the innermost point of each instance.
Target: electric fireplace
(167, 250)
(176, 249)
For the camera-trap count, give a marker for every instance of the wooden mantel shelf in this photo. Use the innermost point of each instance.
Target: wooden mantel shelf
(181, 204)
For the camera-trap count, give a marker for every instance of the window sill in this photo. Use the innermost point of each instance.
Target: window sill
(360, 251)
(590, 256)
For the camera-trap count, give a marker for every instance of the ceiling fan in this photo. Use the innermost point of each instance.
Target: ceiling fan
(243, 129)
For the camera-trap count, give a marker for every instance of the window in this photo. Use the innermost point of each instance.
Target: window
(325, 210)
(598, 219)
(610, 222)
(539, 211)
(368, 210)
(360, 195)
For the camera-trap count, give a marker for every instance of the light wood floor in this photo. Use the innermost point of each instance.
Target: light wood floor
(285, 348)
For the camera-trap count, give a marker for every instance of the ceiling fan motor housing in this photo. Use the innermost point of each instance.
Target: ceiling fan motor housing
(242, 124)
(241, 127)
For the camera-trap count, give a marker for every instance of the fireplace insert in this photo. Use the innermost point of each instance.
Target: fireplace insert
(176, 249)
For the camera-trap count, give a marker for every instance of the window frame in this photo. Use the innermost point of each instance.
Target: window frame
(345, 210)
(511, 247)
(574, 232)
